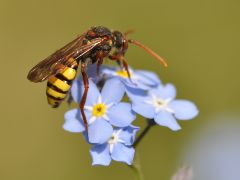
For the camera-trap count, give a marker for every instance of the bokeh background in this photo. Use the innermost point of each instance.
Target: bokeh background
(199, 40)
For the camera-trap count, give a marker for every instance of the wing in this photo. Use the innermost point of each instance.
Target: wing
(56, 62)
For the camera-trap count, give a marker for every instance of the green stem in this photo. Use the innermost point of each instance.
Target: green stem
(136, 166)
(151, 123)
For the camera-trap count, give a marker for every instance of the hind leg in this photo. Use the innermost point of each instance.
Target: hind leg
(84, 97)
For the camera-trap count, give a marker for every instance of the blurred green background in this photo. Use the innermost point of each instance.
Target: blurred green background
(199, 40)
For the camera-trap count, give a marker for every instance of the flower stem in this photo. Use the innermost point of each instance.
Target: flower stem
(136, 167)
(151, 123)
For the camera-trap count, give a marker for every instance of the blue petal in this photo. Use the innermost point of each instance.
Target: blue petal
(113, 91)
(184, 110)
(164, 92)
(133, 83)
(100, 155)
(93, 93)
(110, 71)
(135, 94)
(99, 131)
(164, 118)
(73, 121)
(123, 153)
(121, 115)
(145, 110)
(92, 72)
(78, 89)
(148, 77)
(88, 115)
(128, 134)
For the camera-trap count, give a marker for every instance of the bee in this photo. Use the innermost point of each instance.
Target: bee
(91, 47)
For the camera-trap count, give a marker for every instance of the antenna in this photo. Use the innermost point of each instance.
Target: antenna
(130, 31)
(149, 51)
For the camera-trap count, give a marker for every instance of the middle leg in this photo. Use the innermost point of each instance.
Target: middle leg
(122, 62)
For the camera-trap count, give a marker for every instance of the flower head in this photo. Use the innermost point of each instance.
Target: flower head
(109, 120)
(140, 79)
(160, 104)
(102, 109)
(118, 147)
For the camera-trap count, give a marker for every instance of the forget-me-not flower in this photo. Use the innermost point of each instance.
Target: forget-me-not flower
(109, 120)
(118, 147)
(102, 109)
(160, 104)
(140, 79)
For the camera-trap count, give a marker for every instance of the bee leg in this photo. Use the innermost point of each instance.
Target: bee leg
(84, 97)
(122, 62)
(99, 63)
(125, 65)
(117, 59)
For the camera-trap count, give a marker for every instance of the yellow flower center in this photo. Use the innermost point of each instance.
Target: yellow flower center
(113, 139)
(160, 102)
(122, 73)
(99, 110)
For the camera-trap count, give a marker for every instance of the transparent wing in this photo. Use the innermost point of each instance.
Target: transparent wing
(58, 61)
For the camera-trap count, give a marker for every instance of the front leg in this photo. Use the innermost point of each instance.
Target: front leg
(122, 62)
(84, 97)
(125, 65)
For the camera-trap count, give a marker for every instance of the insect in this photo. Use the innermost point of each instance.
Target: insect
(92, 46)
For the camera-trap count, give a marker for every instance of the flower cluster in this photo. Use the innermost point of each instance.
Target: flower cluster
(110, 131)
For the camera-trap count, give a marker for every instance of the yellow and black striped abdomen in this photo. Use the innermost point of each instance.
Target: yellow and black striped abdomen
(59, 85)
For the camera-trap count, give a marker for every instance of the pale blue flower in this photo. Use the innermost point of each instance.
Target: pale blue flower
(160, 104)
(118, 147)
(102, 110)
(140, 79)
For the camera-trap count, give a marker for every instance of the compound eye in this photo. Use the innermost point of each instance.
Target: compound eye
(118, 40)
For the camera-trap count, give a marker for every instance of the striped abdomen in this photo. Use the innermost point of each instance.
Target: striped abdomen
(59, 85)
